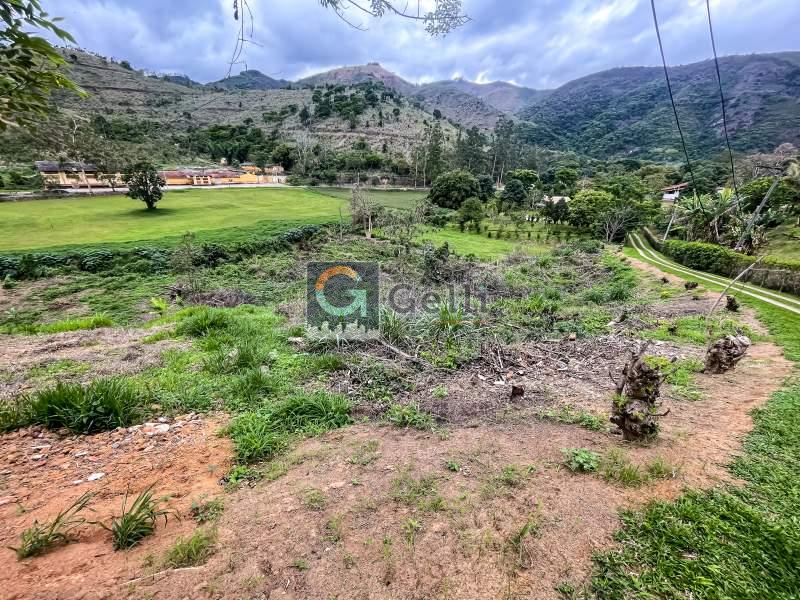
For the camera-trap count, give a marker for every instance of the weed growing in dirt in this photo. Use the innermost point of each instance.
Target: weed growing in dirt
(333, 530)
(515, 552)
(136, 521)
(103, 405)
(616, 467)
(452, 466)
(266, 433)
(314, 499)
(41, 537)
(693, 330)
(208, 511)
(301, 564)
(509, 477)
(421, 493)
(365, 454)
(574, 416)
(621, 285)
(192, 551)
(661, 469)
(411, 527)
(680, 375)
(409, 416)
(581, 460)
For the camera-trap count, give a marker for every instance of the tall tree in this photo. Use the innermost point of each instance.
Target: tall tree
(501, 151)
(144, 183)
(435, 162)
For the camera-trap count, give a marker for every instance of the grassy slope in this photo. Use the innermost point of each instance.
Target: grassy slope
(784, 242)
(737, 542)
(111, 219)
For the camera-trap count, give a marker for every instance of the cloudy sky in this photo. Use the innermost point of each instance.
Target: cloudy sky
(538, 43)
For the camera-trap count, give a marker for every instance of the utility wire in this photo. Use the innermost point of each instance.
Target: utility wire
(722, 100)
(672, 99)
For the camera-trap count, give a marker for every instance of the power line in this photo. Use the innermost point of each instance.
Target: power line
(722, 100)
(672, 98)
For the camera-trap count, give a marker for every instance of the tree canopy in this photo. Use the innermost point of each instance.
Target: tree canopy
(29, 64)
(144, 183)
(451, 189)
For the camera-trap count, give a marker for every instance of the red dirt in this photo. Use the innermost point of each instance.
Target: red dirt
(42, 473)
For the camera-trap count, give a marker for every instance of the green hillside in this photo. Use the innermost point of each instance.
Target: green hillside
(627, 111)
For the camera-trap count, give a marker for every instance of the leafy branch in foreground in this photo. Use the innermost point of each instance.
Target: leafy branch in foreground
(41, 537)
(29, 65)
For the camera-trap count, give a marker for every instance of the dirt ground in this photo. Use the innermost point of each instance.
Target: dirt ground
(333, 525)
(75, 356)
(273, 545)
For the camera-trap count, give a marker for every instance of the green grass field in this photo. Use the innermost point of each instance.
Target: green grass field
(784, 242)
(485, 248)
(403, 200)
(56, 223)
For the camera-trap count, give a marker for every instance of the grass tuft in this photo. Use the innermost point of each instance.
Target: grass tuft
(137, 521)
(42, 537)
(192, 551)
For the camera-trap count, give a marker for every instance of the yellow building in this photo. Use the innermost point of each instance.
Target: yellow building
(74, 175)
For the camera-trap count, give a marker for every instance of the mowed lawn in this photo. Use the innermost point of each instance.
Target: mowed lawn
(402, 199)
(52, 223)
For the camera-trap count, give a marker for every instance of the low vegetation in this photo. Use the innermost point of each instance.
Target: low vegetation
(42, 537)
(136, 521)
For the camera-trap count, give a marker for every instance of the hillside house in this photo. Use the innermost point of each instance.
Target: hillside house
(72, 175)
(252, 168)
(673, 192)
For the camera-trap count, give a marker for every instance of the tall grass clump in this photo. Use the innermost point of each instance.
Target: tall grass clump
(263, 434)
(192, 551)
(103, 405)
(136, 521)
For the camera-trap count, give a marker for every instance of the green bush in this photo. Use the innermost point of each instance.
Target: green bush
(103, 405)
(778, 274)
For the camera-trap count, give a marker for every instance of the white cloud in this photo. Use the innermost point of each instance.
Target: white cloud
(540, 44)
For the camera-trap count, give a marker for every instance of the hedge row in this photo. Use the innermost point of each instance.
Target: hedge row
(144, 259)
(773, 273)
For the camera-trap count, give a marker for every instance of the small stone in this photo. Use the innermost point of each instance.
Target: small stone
(95, 476)
(80, 454)
(38, 456)
(573, 336)
(163, 420)
(77, 482)
(6, 500)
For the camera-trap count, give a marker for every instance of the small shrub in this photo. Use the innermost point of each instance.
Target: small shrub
(314, 499)
(137, 521)
(41, 537)
(192, 551)
(414, 492)
(209, 511)
(409, 416)
(581, 460)
(203, 321)
(661, 469)
(453, 466)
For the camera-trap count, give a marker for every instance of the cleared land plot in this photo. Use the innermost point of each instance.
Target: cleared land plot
(114, 219)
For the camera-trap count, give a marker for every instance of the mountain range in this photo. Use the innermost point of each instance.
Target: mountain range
(618, 112)
(622, 111)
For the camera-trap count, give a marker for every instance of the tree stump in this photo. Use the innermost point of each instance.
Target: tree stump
(635, 409)
(724, 354)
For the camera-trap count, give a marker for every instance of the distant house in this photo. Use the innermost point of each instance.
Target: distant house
(72, 175)
(222, 176)
(268, 169)
(673, 192)
(557, 199)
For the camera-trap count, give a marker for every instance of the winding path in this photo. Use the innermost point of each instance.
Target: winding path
(783, 301)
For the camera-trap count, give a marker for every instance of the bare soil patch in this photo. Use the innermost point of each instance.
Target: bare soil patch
(102, 352)
(43, 472)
